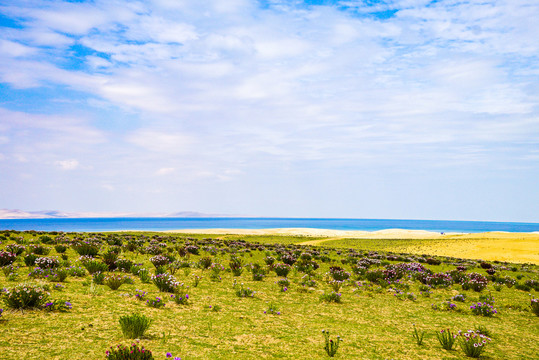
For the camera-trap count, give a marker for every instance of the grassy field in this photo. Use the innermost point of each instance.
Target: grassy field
(374, 319)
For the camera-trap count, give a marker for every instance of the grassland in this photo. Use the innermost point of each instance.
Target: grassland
(373, 322)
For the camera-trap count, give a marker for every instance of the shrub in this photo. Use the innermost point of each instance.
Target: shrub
(165, 282)
(331, 346)
(180, 299)
(57, 305)
(114, 281)
(245, 292)
(475, 282)
(123, 265)
(338, 273)
(269, 260)
(7, 258)
(216, 269)
(272, 309)
(236, 265)
(15, 249)
(331, 297)
(155, 303)
(159, 260)
(47, 262)
(110, 258)
(281, 269)
(283, 283)
(535, 306)
(60, 249)
(472, 343)
(94, 266)
(24, 296)
(98, 278)
(484, 309)
(446, 339)
(144, 275)
(134, 352)
(38, 249)
(258, 272)
(205, 262)
(134, 326)
(59, 275)
(140, 294)
(86, 248)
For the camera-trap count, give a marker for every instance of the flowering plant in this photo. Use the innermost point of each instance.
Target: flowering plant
(331, 346)
(6, 258)
(134, 352)
(484, 309)
(165, 282)
(180, 299)
(155, 303)
(472, 343)
(535, 306)
(58, 305)
(281, 269)
(25, 296)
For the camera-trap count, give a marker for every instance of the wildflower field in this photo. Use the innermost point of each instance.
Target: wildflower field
(158, 296)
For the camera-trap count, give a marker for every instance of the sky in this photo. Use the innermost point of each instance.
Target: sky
(394, 109)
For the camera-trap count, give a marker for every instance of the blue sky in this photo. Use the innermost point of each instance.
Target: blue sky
(405, 109)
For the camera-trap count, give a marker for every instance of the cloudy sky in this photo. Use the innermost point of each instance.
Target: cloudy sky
(407, 109)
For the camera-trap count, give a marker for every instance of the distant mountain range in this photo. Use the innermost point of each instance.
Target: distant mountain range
(54, 214)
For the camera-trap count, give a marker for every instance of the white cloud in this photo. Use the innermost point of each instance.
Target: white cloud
(70, 164)
(165, 171)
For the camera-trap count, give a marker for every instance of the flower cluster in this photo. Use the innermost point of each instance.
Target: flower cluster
(281, 269)
(25, 296)
(484, 309)
(159, 260)
(180, 299)
(134, 352)
(140, 294)
(338, 273)
(6, 258)
(165, 282)
(57, 305)
(472, 343)
(155, 303)
(474, 281)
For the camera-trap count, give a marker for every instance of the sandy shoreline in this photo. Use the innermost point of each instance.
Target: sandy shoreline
(355, 234)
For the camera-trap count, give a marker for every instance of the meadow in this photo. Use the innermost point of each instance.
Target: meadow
(252, 297)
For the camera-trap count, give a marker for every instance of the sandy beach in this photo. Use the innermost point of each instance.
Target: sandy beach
(492, 246)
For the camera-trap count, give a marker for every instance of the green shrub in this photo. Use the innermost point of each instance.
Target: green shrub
(24, 296)
(134, 326)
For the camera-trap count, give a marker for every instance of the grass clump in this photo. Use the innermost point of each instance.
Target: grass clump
(134, 326)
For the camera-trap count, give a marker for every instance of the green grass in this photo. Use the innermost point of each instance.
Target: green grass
(372, 325)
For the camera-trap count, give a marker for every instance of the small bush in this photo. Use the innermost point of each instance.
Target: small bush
(155, 303)
(180, 299)
(24, 296)
(331, 297)
(484, 309)
(165, 282)
(134, 352)
(472, 343)
(7, 258)
(134, 326)
(94, 266)
(282, 269)
(114, 281)
(534, 305)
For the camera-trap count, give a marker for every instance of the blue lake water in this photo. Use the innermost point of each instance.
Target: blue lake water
(160, 224)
